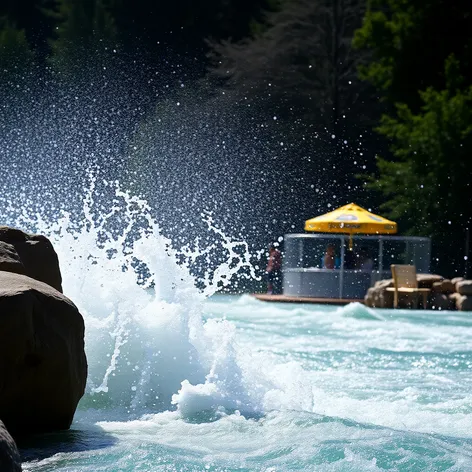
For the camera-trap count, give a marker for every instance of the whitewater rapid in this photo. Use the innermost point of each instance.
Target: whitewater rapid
(183, 379)
(147, 346)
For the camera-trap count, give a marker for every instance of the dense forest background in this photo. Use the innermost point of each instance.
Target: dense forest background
(264, 112)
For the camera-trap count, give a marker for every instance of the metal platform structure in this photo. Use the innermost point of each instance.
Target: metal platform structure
(265, 297)
(304, 274)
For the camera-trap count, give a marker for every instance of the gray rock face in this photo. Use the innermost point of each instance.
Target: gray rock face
(43, 368)
(29, 254)
(10, 460)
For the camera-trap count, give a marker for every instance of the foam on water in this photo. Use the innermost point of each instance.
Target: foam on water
(359, 311)
(400, 369)
(147, 347)
(182, 382)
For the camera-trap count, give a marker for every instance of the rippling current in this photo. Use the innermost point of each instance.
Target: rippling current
(182, 379)
(352, 390)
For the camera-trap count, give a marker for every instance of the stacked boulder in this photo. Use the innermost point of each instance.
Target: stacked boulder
(378, 296)
(43, 368)
(462, 297)
(455, 294)
(440, 297)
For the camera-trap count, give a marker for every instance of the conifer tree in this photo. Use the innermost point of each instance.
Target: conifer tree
(424, 78)
(85, 32)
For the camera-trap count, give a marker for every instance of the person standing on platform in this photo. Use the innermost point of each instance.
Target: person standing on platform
(329, 261)
(274, 270)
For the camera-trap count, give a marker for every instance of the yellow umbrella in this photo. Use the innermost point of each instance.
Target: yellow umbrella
(351, 219)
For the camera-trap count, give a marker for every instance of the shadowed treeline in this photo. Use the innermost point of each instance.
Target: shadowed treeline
(344, 100)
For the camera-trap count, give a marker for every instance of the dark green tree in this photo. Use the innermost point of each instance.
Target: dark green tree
(16, 55)
(34, 19)
(301, 57)
(408, 42)
(423, 76)
(85, 32)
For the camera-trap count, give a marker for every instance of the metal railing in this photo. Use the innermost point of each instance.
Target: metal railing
(305, 275)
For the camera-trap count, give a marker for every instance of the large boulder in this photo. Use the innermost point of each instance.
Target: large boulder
(378, 296)
(29, 254)
(43, 368)
(10, 460)
(457, 279)
(441, 301)
(428, 280)
(465, 303)
(462, 302)
(444, 287)
(464, 287)
(10, 260)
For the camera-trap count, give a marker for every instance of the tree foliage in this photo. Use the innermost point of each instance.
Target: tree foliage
(430, 177)
(302, 58)
(409, 42)
(424, 76)
(83, 28)
(15, 51)
(16, 55)
(63, 29)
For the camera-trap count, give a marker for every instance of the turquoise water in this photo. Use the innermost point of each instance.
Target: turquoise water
(186, 380)
(286, 387)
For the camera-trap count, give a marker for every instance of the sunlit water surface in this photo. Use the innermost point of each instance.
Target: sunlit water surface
(351, 390)
(181, 380)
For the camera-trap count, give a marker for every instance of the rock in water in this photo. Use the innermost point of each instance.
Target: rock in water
(29, 254)
(43, 368)
(10, 460)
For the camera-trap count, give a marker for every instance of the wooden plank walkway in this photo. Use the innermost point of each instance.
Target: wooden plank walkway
(291, 299)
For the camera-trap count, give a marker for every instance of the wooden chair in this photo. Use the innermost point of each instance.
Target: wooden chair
(404, 281)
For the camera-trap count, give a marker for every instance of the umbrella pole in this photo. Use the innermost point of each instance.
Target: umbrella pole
(350, 241)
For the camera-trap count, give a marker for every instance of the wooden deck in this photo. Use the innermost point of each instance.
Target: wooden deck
(290, 299)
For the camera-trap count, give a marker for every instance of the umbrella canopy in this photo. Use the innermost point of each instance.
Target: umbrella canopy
(351, 219)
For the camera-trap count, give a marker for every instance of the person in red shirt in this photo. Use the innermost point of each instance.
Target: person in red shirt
(274, 270)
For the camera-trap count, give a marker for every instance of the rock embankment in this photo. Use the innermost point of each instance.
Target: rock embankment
(462, 297)
(455, 294)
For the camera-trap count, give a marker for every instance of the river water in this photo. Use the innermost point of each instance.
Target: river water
(328, 389)
(184, 379)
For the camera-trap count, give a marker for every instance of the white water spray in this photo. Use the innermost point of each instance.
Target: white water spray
(145, 338)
